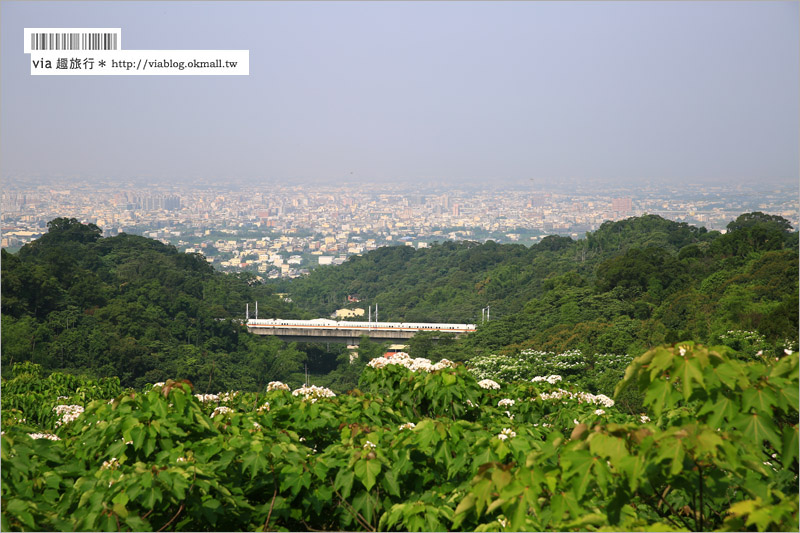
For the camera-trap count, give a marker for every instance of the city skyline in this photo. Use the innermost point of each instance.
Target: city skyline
(469, 93)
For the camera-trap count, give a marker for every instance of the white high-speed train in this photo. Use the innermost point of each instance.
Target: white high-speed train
(324, 323)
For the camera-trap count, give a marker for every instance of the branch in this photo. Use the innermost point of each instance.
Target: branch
(269, 514)
(309, 527)
(173, 518)
(657, 509)
(355, 513)
(672, 509)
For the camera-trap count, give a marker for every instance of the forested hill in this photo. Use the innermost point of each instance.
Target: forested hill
(629, 285)
(135, 308)
(131, 307)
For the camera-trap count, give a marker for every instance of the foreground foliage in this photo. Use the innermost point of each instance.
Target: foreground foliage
(420, 447)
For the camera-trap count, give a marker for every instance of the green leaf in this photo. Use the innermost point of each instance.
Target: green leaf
(723, 408)
(373, 469)
(687, 371)
(633, 466)
(466, 503)
(344, 482)
(659, 396)
(757, 428)
(790, 445)
(390, 483)
(608, 446)
(662, 360)
(672, 450)
(762, 399)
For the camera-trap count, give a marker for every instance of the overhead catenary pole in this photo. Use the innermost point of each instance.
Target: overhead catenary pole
(256, 309)
(247, 311)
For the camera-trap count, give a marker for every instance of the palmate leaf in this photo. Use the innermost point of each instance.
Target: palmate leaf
(662, 360)
(672, 450)
(687, 370)
(724, 407)
(762, 399)
(757, 428)
(579, 465)
(608, 446)
(730, 374)
(659, 396)
(790, 444)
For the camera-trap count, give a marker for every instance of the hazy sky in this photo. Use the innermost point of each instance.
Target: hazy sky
(435, 91)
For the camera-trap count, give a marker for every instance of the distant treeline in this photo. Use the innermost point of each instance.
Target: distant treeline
(133, 307)
(626, 287)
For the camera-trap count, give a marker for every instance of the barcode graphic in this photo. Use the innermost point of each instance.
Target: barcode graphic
(74, 41)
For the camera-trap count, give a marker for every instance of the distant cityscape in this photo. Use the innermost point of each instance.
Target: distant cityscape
(285, 231)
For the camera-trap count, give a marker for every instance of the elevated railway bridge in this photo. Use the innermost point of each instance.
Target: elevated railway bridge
(325, 330)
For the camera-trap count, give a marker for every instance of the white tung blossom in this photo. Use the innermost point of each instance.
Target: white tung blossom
(221, 410)
(277, 385)
(505, 402)
(581, 397)
(369, 446)
(68, 413)
(407, 425)
(313, 393)
(599, 412)
(263, 408)
(644, 419)
(205, 398)
(112, 464)
(405, 360)
(506, 433)
(48, 436)
(488, 384)
(551, 379)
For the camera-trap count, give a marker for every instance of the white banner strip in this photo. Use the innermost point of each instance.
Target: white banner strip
(140, 63)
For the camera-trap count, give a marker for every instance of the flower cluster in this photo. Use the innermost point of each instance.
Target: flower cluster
(369, 446)
(68, 413)
(506, 433)
(552, 379)
(206, 398)
(277, 385)
(313, 393)
(488, 384)
(403, 359)
(644, 419)
(48, 436)
(407, 425)
(530, 363)
(113, 464)
(221, 410)
(599, 412)
(263, 408)
(228, 396)
(159, 384)
(506, 402)
(581, 397)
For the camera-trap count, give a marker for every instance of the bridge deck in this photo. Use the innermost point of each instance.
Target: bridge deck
(323, 330)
